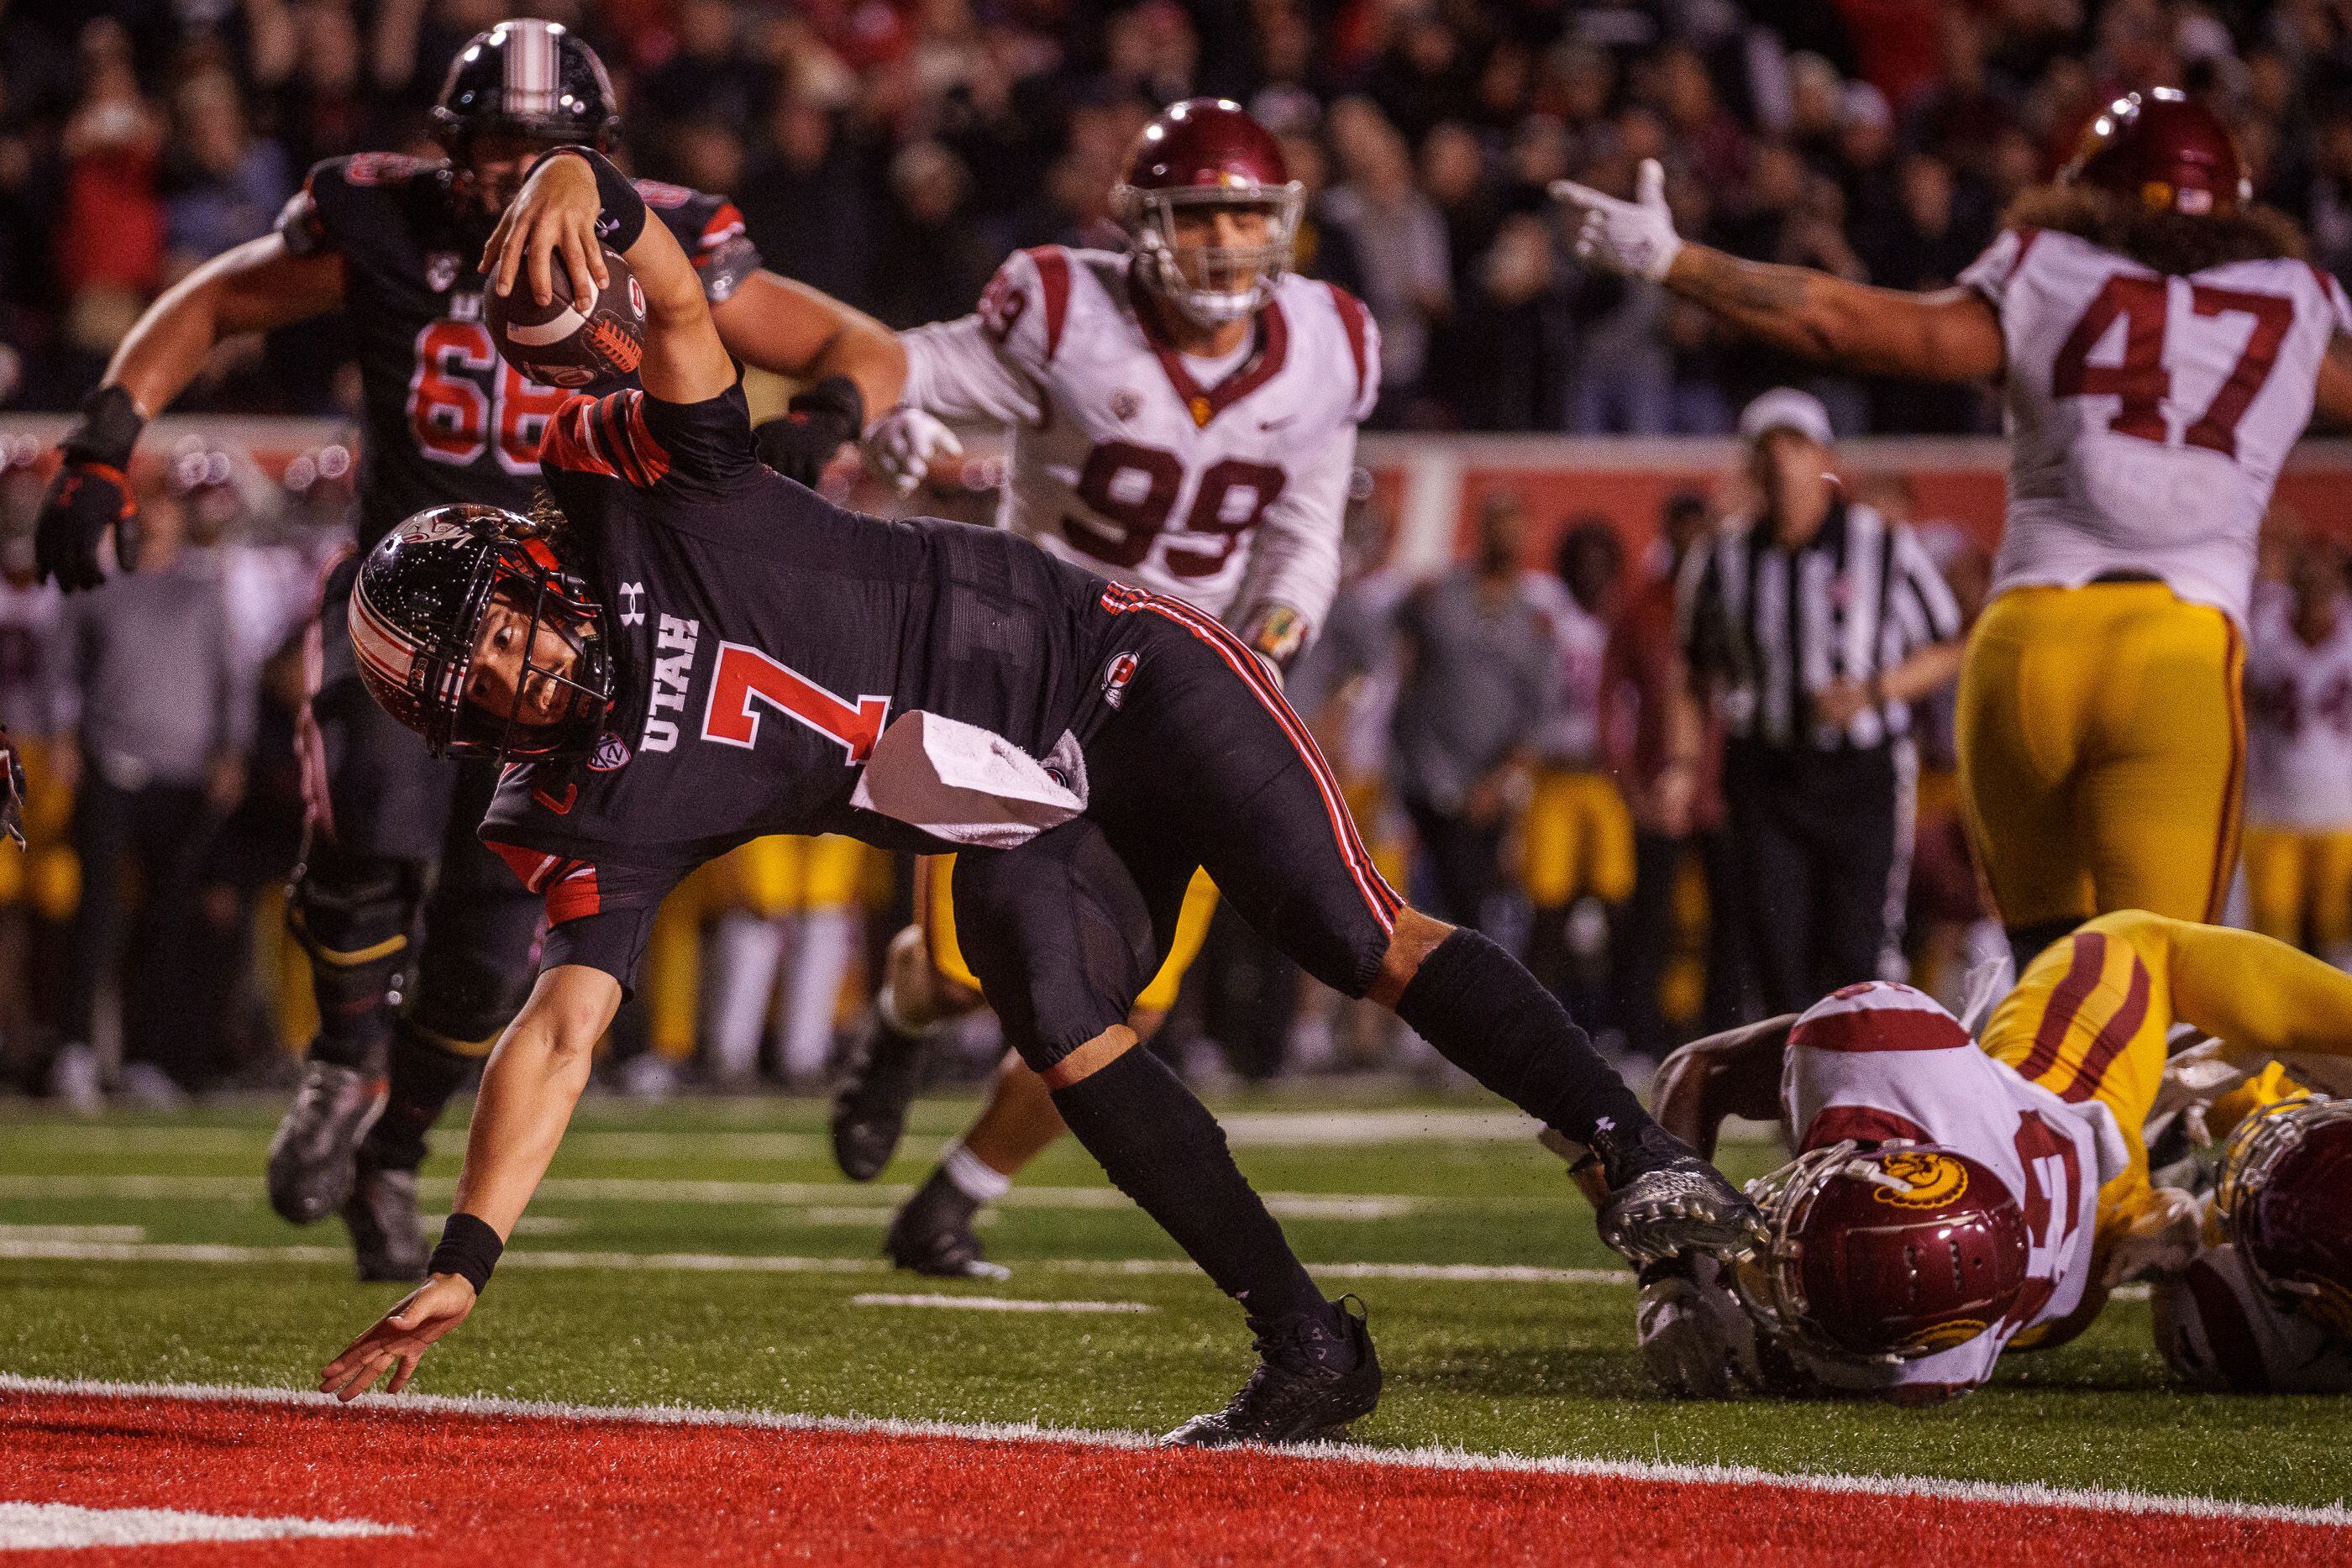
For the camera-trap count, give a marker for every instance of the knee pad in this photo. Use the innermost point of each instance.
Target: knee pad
(463, 1000)
(350, 914)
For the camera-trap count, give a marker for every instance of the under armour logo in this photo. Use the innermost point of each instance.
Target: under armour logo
(633, 604)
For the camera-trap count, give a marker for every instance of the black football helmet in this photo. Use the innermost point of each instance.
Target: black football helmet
(527, 79)
(416, 617)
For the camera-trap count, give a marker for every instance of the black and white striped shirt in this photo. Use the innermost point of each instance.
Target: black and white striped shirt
(1770, 627)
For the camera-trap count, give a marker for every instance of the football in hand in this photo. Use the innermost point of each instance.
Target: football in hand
(569, 342)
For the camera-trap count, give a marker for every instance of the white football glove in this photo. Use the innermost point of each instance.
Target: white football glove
(905, 443)
(1696, 1342)
(1636, 237)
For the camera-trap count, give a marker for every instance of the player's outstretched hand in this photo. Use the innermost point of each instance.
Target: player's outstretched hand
(555, 212)
(905, 443)
(1636, 237)
(399, 1338)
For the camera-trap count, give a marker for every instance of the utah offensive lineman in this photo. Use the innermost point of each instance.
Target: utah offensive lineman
(2161, 344)
(392, 241)
(797, 668)
(1183, 418)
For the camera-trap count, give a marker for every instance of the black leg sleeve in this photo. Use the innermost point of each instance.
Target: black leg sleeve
(1160, 1146)
(1486, 1015)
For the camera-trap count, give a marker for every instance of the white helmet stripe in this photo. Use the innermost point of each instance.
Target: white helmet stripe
(379, 642)
(533, 68)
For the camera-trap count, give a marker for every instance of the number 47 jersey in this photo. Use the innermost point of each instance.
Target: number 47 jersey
(2149, 414)
(1223, 485)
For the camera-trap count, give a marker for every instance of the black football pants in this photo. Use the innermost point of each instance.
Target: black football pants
(1815, 837)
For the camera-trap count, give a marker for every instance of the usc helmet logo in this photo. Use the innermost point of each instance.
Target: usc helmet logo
(1917, 1179)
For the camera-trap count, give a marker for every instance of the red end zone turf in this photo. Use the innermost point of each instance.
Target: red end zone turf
(525, 1490)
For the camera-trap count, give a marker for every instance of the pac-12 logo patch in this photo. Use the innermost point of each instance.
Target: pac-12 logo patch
(611, 754)
(1116, 676)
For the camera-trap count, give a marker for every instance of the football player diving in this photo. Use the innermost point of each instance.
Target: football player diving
(1182, 416)
(687, 650)
(416, 932)
(2160, 343)
(1951, 1199)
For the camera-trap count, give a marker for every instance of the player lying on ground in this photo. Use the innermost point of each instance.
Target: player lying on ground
(390, 243)
(1182, 416)
(2160, 343)
(698, 652)
(1950, 1199)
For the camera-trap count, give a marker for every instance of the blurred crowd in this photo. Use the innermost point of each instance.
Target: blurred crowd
(891, 151)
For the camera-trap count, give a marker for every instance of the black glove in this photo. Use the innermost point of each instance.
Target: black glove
(90, 495)
(816, 423)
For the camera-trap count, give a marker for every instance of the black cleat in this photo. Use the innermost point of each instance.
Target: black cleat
(869, 1114)
(387, 1233)
(312, 1160)
(1311, 1381)
(931, 1234)
(1664, 1200)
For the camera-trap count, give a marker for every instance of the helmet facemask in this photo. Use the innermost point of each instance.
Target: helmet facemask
(1213, 285)
(1769, 1283)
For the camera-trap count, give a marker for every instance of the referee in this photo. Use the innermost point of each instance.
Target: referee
(1811, 626)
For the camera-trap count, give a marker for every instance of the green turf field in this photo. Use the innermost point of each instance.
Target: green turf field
(90, 1287)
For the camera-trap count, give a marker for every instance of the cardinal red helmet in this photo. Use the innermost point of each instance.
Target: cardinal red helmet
(2285, 1191)
(2166, 152)
(1886, 1253)
(1207, 152)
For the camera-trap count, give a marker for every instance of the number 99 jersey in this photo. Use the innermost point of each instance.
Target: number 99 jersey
(2148, 415)
(447, 418)
(1223, 485)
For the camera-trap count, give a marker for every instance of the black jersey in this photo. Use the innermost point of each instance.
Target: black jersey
(447, 418)
(763, 639)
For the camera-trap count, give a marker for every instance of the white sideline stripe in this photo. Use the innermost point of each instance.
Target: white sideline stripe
(994, 1303)
(61, 1526)
(69, 1251)
(2089, 1499)
(767, 1194)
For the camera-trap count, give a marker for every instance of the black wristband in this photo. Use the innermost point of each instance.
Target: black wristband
(835, 398)
(469, 1249)
(110, 426)
(624, 215)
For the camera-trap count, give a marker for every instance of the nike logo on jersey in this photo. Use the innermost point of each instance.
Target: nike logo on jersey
(674, 645)
(1276, 423)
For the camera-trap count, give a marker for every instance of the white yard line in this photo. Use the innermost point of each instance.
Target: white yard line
(2092, 1500)
(59, 1526)
(994, 1303)
(73, 1233)
(74, 1252)
(827, 1195)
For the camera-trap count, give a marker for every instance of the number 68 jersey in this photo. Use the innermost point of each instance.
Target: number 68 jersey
(448, 420)
(1221, 485)
(2148, 415)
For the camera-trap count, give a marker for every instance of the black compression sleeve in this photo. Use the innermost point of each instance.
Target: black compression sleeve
(624, 215)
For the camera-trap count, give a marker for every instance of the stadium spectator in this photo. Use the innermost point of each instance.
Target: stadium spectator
(153, 720)
(1476, 688)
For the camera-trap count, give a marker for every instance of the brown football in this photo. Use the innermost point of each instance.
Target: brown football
(570, 344)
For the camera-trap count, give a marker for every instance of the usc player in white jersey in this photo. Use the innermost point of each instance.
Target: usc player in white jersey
(2161, 344)
(1953, 1198)
(2299, 761)
(1183, 418)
